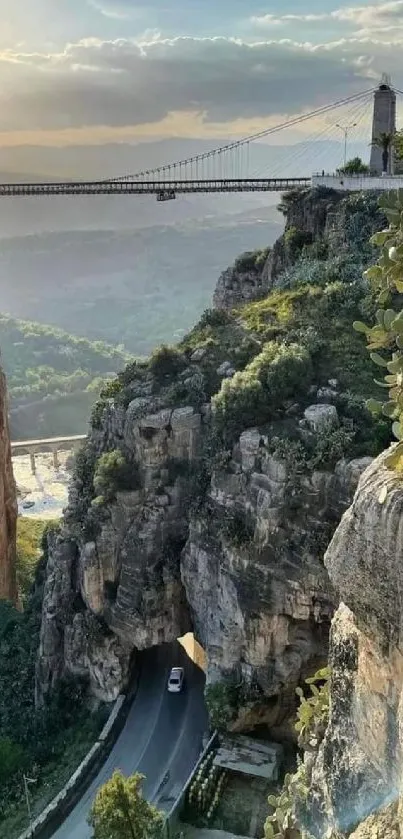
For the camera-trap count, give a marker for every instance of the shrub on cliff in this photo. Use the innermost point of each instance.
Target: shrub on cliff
(251, 261)
(113, 473)
(255, 395)
(166, 362)
(296, 240)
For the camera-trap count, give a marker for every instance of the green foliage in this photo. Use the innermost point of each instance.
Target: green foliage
(222, 702)
(113, 473)
(251, 260)
(84, 468)
(292, 452)
(49, 367)
(30, 535)
(282, 823)
(214, 318)
(290, 197)
(331, 446)
(296, 240)
(355, 166)
(385, 337)
(255, 395)
(313, 711)
(11, 759)
(166, 362)
(121, 812)
(384, 142)
(34, 740)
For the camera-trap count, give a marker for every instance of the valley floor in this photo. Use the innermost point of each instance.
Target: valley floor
(46, 491)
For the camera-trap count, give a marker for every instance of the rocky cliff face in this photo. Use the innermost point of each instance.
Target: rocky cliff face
(242, 569)
(359, 765)
(258, 592)
(8, 504)
(213, 478)
(309, 215)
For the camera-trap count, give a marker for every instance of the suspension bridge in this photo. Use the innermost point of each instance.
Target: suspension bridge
(365, 117)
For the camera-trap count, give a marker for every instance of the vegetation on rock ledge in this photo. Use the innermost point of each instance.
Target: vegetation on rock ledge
(385, 337)
(49, 743)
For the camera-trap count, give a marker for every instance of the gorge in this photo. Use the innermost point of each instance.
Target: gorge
(204, 502)
(214, 477)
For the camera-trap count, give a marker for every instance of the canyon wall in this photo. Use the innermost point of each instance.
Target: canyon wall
(358, 769)
(8, 505)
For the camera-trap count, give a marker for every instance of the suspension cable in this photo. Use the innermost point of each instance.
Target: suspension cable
(238, 143)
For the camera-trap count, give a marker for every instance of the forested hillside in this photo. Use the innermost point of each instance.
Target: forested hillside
(53, 377)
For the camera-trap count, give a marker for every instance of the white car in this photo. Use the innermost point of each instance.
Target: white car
(176, 679)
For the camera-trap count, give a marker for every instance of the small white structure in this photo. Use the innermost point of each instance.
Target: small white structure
(250, 757)
(357, 183)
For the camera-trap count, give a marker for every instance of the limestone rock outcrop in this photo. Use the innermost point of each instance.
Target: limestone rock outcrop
(243, 569)
(235, 287)
(309, 212)
(118, 588)
(359, 765)
(386, 824)
(252, 570)
(8, 505)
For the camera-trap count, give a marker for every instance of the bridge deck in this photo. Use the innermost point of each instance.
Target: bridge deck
(52, 441)
(134, 187)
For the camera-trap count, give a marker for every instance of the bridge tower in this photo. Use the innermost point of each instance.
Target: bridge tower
(383, 123)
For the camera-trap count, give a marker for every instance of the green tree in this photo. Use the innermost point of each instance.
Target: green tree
(11, 758)
(113, 472)
(398, 151)
(384, 142)
(121, 812)
(355, 166)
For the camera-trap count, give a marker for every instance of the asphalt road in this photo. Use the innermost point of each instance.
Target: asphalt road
(162, 737)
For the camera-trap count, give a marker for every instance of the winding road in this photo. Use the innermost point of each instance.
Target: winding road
(162, 736)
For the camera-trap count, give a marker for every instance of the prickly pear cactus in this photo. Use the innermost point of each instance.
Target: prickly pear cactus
(385, 337)
(281, 823)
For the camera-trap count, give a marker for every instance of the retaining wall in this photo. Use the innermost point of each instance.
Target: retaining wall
(59, 808)
(173, 816)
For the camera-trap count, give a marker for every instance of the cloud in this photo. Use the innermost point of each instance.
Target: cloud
(114, 8)
(127, 82)
(274, 20)
(380, 18)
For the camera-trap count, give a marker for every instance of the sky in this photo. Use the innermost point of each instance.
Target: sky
(94, 71)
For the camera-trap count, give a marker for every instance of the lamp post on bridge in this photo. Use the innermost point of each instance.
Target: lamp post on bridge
(345, 129)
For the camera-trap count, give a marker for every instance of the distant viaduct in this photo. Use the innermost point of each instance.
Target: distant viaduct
(50, 444)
